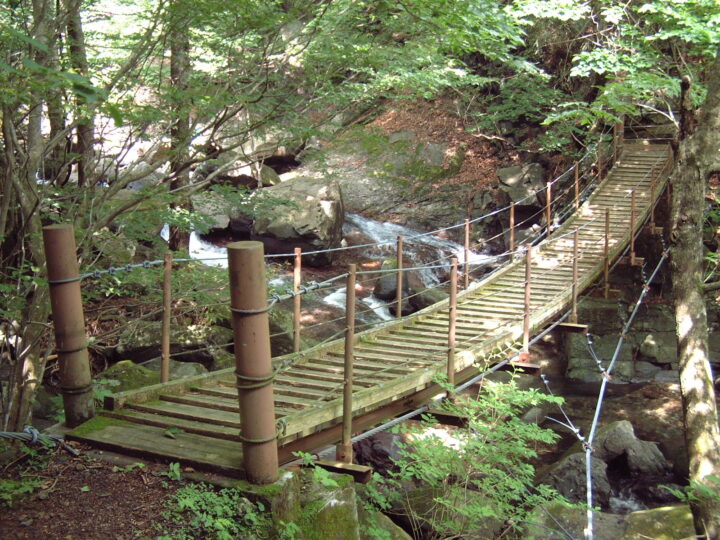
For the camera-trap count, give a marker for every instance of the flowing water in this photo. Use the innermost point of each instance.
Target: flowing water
(419, 251)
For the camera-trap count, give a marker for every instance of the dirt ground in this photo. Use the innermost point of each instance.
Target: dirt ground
(85, 497)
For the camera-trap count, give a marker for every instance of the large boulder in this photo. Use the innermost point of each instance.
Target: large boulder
(567, 476)
(140, 341)
(618, 438)
(311, 218)
(522, 182)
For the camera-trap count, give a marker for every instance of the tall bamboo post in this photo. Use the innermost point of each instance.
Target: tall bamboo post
(251, 336)
(577, 185)
(632, 228)
(548, 207)
(512, 227)
(69, 323)
(606, 255)
(452, 322)
(344, 451)
(167, 306)
(399, 278)
(573, 315)
(297, 300)
(526, 317)
(466, 271)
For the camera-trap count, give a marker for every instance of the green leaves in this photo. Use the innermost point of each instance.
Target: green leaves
(477, 474)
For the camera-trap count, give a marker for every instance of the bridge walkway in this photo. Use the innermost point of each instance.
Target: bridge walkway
(394, 365)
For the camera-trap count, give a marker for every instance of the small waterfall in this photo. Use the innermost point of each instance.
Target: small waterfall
(201, 250)
(427, 250)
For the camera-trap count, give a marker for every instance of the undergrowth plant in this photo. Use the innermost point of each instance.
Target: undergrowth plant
(28, 465)
(473, 478)
(200, 511)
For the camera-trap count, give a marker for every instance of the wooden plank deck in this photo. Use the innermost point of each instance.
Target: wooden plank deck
(395, 364)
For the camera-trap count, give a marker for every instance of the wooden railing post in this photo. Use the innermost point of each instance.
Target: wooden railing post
(512, 227)
(548, 208)
(526, 317)
(167, 306)
(297, 300)
(653, 187)
(69, 322)
(399, 278)
(251, 336)
(618, 139)
(344, 451)
(606, 255)
(452, 322)
(466, 271)
(632, 228)
(573, 314)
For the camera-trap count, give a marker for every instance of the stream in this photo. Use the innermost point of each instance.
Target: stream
(418, 251)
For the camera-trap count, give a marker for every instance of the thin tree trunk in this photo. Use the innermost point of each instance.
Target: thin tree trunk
(695, 162)
(85, 128)
(180, 130)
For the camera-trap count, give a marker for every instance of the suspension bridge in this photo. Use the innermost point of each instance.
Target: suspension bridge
(392, 368)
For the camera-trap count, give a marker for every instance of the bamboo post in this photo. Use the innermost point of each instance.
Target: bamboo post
(526, 317)
(548, 208)
(512, 227)
(466, 271)
(606, 252)
(297, 300)
(573, 314)
(251, 336)
(632, 228)
(452, 323)
(399, 279)
(344, 451)
(69, 322)
(167, 299)
(577, 185)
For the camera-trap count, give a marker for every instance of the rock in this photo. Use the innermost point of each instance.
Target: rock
(125, 375)
(143, 175)
(312, 220)
(46, 405)
(374, 525)
(178, 370)
(567, 476)
(521, 182)
(643, 457)
(671, 376)
(213, 207)
(140, 341)
(559, 522)
(664, 523)
(659, 347)
(426, 298)
(267, 176)
(420, 512)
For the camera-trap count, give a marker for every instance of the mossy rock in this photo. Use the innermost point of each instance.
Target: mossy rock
(125, 375)
(374, 525)
(558, 522)
(321, 512)
(664, 523)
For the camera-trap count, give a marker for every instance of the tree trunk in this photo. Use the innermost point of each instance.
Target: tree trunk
(85, 126)
(180, 130)
(695, 162)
